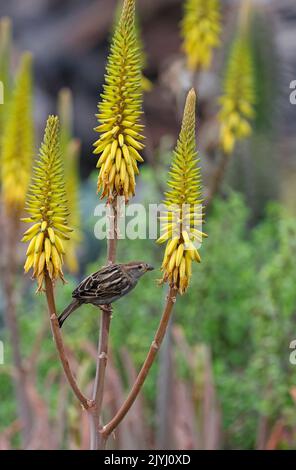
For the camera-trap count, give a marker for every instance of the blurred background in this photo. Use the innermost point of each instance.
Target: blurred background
(223, 379)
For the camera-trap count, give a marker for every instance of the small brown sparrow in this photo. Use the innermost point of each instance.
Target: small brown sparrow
(105, 286)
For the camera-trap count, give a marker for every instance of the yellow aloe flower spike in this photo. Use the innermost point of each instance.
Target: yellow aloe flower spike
(237, 102)
(184, 205)
(238, 99)
(147, 85)
(17, 144)
(200, 30)
(47, 208)
(119, 112)
(70, 150)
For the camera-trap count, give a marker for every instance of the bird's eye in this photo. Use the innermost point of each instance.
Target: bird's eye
(140, 268)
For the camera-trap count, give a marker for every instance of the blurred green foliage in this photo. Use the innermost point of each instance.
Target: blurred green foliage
(242, 304)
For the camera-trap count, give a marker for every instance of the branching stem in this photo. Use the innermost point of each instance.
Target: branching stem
(86, 403)
(155, 345)
(98, 393)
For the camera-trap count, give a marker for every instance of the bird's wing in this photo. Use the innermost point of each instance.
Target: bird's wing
(106, 284)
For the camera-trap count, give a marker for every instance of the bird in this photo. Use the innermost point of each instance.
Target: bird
(105, 286)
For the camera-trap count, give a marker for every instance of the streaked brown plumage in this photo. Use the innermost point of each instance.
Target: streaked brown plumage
(106, 286)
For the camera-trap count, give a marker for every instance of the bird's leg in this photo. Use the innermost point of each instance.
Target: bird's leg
(106, 308)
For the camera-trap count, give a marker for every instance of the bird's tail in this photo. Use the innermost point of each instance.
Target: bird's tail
(68, 310)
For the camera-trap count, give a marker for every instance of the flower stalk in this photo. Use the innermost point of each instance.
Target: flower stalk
(118, 146)
(136, 388)
(185, 178)
(85, 402)
(47, 208)
(97, 440)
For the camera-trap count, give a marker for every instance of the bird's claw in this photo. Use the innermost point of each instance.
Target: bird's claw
(106, 308)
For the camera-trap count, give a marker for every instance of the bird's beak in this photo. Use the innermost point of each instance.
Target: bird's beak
(149, 267)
